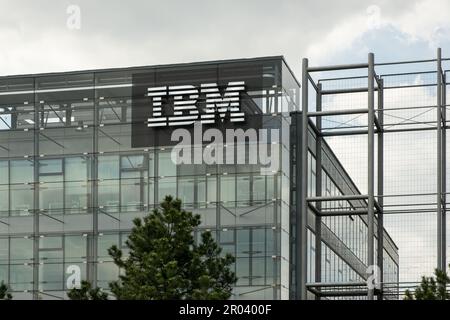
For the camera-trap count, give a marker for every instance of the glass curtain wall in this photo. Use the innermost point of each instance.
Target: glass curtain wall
(71, 183)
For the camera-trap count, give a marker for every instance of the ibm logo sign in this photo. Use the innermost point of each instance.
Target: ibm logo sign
(184, 100)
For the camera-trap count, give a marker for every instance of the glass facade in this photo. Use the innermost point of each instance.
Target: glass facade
(71, 182)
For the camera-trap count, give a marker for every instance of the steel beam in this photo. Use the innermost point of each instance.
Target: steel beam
(444, 171)
(93, 263)
(335, 213)
(302, 205)
(380, 187)
(404, 62)
(321, 113)
(318, 192)
(441, 167)
(337, 67)
(36, 216)
(371, 158)
(440, 241)
(337, 198)
(342, 91)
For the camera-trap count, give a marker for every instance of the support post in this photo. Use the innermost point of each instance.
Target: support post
(302, 206)
(36, 214)
(380, 186)
(94, 193)
(444, 171)
(370, 188)
(318, 220)
(441, 168)
(440, 173)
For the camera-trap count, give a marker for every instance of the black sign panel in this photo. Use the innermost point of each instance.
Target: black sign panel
(222, 96)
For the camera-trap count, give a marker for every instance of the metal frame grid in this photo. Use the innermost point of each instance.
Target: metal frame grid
(375, 200)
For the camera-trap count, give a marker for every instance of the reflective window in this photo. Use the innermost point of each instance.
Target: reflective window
(75, 248)
(4, 188)
(104, 243)
(167, 167)
(21, 277)
(76, 186)
(21, 174)
(4, 250)
(186, 190)
(108, 186)
(21, 250)
(51, 195)
(228, 189)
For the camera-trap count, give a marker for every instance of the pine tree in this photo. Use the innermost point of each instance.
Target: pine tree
(86, 292)
(164, 262)
(4, 292)
(431, 288)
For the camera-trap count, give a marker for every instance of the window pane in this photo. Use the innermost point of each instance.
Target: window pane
(21, 277)
(243, 190)
(107, 194)
(4, 192)
(167, 186)
(4, 249)
(259, 188)
(75, 248)
(50, 243)
(242, 271)
(21, 171)
(106, 272)
(108, 186)
(51, 277)
(227, 189)
(133, 162)
(133, 191)
(51, 194)
(21, 194)
(186, 190)
(76, 169)
(259, 237)
(4, 273)
(243, 242)
(52, 166)
(21, 250)
(105, 242)
(167, 167)
(21, 199)
(258, 271)
(108, 167)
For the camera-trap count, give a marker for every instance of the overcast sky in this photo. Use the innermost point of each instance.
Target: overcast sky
(35, 36)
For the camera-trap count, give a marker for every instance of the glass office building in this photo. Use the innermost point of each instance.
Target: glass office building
(79, 161)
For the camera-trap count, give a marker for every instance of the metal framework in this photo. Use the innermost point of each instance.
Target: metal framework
(375, 130)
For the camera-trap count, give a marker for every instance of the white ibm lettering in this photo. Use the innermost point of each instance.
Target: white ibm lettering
(185, 108)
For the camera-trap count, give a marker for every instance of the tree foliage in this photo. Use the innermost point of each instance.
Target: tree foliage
(164, 262)
(4, 292)
(431, 288)
(86, 292)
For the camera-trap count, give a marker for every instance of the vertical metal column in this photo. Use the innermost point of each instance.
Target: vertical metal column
(302, 206)
(36, 215)
(370, 188)
(444, 170)
(380, 186)
(318, 222)
(440, 222)
(94, 191)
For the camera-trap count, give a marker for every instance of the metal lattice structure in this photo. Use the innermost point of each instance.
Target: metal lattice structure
(396, 123)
